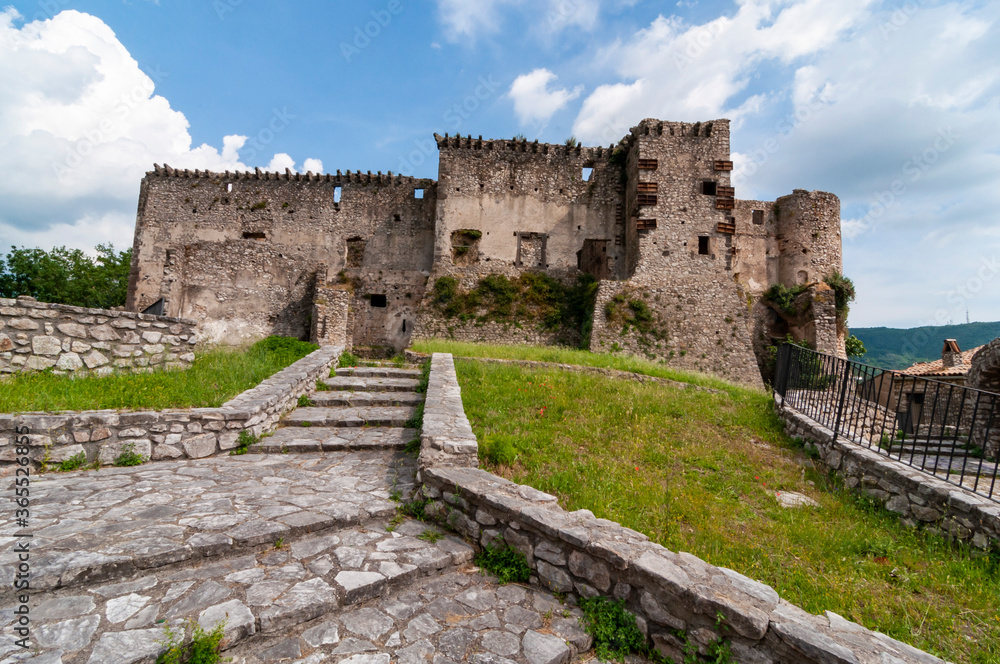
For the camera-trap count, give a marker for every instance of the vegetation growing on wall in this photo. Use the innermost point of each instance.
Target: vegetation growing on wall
(532, 297)
(783, 297)
(843, 289)
(67, 276)
(630, 310)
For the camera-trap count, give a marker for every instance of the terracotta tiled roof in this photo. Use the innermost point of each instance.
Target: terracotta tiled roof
(937, 368)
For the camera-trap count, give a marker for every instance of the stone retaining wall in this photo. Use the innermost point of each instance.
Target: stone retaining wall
(101, 435)
(918, 498)
(676, 597)
(38, 335)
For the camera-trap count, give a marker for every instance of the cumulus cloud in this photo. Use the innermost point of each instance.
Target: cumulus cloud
(534, 101)
(80, 123)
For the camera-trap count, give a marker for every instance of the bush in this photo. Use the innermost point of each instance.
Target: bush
(843, 289)
(613, 629)
(503, 562)
(784, 297)
(854, 347)
(129, 457)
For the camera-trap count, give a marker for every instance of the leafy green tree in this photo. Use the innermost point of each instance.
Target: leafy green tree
(67, 276)
(855, 348)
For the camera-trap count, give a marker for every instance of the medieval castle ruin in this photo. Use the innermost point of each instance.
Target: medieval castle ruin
(358, 258)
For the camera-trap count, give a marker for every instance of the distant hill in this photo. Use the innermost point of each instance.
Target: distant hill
(893, 348)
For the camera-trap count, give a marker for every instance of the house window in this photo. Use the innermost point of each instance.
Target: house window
(703, 245)
(378, 300)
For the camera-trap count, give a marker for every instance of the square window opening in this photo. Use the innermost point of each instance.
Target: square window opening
(229, 187)
(709, 187)
(587, 172)
(758, 217)
(703, 245)
(378, 300)
(418, 193)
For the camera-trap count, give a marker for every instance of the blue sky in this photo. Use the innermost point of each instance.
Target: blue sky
(893, 106)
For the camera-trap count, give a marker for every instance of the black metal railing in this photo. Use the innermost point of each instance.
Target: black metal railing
(940, 428)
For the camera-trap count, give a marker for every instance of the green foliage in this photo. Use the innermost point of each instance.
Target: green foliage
(431, 536)
(304, 401)
(203, 648)
(129, 457)
(214, 377)
(413, 447)
(72, 463)
(259, 205)
(243, 443)
(416, 421)
(843, 289)
(854, 346)
(630, 311)
(503, 562)
(531, 297)
(615, 634)
(415, 509)
(784, 297)
(347, 359)
(572, 142)
(67, 276)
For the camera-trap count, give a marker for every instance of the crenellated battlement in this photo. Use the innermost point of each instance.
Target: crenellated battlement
(653, 127)
(523, 145)
(338, 178)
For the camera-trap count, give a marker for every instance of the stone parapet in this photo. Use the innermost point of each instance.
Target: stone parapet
(102, 435)
(36, 336)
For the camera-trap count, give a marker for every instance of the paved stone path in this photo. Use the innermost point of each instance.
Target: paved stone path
(303, 555)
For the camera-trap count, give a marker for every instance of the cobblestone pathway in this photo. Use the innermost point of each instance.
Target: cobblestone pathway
(300, 554)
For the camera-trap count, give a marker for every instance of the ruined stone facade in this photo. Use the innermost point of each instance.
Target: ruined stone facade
(655, 219)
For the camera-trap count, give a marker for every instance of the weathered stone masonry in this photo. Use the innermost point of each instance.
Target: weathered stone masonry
(35, 336)
(654, 218)
(577, 553)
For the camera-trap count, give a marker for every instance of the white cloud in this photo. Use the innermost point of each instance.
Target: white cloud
(534, 101)
(80, 123)
(469, 19)
(313, 166)
(694, 72)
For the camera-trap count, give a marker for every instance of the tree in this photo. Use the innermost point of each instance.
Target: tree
(854, 347)
(67, 276)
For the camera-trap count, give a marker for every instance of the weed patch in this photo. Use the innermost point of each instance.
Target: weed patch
(347, 359)
(304, 401)
(615, 633)
(243, 443)
(74, 462)
(129, 457)
(503, 562)
(202, 649)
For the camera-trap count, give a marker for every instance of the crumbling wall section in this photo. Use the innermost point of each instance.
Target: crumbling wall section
(243, 251)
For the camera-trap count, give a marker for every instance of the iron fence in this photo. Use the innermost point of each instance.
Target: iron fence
(938, 427)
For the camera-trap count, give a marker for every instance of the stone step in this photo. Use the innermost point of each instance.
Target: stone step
(128, 521)
(379, 372)
(334, 439)
(931, 451)
(352, 384)
(357, 399)
(267, 593)
(374, 416)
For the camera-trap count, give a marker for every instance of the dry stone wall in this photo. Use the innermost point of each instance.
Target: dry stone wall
(102, 435)
(37, 336)
(673, 595)
(918, 498)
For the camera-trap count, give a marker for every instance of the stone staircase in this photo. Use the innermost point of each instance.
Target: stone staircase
(362, 408)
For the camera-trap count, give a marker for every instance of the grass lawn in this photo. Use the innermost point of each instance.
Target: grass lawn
(214, 378)
(697, 472)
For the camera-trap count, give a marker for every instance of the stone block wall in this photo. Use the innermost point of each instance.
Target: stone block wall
(101, 435)
(330, 325)
(675, 596)
(36, 335)
(918, 498)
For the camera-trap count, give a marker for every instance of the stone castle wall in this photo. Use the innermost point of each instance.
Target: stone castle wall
(36, 336)
(247, 254)
(243, 252)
